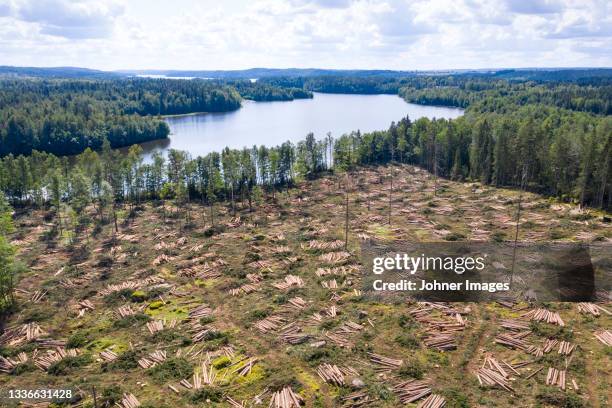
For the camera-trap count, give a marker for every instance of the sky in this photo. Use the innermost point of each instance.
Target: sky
(342, 34)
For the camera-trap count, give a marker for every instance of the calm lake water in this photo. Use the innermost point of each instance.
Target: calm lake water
(272, 123)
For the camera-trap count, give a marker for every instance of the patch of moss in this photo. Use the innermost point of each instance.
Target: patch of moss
(156, 305)
(257, 373)
(221, 362)
(138, 296)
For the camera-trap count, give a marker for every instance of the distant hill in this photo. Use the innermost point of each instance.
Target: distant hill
(268, 73)
(519, 74)
(56, 72)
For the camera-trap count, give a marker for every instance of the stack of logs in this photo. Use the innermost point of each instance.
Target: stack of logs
(556, 377)
(605, 336)
(411, 390)
(129, 401)
(433, 401)
(491, 373)
(543, 315)
(385, 363)
(285, 398)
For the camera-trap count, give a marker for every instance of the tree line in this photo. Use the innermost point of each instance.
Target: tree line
(549, 150)
(265, 92)
(481, 92)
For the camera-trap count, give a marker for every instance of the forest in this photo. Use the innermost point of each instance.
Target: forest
(549, 137)
(66, 116)
(265, 92)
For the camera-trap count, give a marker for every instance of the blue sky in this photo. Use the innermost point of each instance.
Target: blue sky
(235, 34)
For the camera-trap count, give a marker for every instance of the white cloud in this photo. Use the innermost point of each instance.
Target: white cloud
(396, 34)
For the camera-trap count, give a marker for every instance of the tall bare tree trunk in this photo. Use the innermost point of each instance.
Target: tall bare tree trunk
(346, 218)
(390, 196)
(518, 223)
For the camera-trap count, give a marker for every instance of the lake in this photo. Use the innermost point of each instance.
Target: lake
(272, 123)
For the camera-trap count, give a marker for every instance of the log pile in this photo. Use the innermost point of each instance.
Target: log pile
(246, 368)
(433, 401)
(514, 325)
(285, 398)
(350, 328)
(254, 277)
(53, 356)
(84, 306)
(323, 245)
(159, 325)
(234, 223)
(591, 308)
(335, 257)
(566, 348)
(289, 281)
(605, 336)
(125, 311)
(246, 289)
(298, 303)
(131, 284)
(292, 334)
(201, 311)
(339, 340)
(549, 344)
(331, 373)
(441, 341)
(208, 376)
(154, 358)
(385, 363)
(129, 401)
(162, 259)
(155, 326)
(512, 341)
(18, 335)
(50, 343)
(270, 323)
(201, 272)
(332, 284)
(38, 296)
(108, 355)
(556, 377)
(262, 264)
(543, 315)
(357, 399)
(202, 333)
(332, 311)
(235, 404)
(7, 364)
(411, 390)
(491, 374)
(336, 270)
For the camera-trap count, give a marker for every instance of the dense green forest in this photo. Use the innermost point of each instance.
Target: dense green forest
(490, 92)
(67, 116)
(265, 92)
